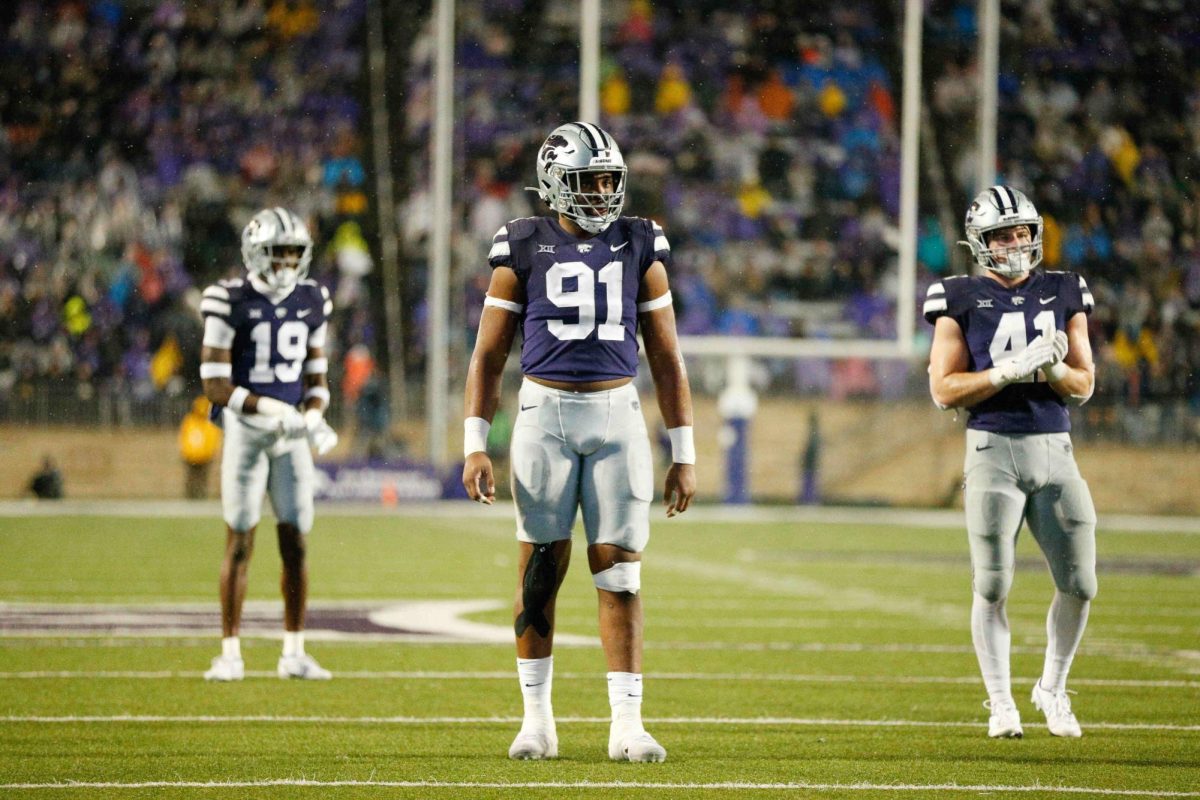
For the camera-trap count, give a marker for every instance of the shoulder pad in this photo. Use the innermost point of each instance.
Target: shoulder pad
(218, 299)
(520, 228)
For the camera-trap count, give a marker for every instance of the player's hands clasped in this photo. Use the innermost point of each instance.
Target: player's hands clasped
(479, 478)
(1041, 352)
(1060, 347)
(680, 488)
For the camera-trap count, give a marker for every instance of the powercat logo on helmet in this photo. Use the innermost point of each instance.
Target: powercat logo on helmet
(552, 144)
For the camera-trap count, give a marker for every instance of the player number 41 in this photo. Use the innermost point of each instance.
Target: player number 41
(1010, 337)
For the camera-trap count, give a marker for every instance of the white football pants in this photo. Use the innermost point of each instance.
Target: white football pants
(586, 450)
(254, 461)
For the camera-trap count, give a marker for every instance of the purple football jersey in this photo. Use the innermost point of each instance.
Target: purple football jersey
(270, 340)
(580, 318)
(998, 322)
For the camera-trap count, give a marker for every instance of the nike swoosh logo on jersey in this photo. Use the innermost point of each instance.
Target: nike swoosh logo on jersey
(526, 408)
(617, 247)
(531, 685)
(304, 313)
(983, 447)
(1044, 300)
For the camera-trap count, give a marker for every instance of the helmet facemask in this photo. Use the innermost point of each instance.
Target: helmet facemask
(591, 210)
(1016, 259)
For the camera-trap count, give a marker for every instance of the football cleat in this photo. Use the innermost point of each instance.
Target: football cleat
(1005, 721)
(534, 744)
(226, 669)
(304, 667)
(1057, 708)
(636, 746)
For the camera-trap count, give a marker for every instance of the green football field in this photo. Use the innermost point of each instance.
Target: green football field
(783, 659)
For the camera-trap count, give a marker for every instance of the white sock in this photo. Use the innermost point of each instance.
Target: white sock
(231, 647)
(625, 698)
(992, 640)
(1064, 628)
(537, 681)
(293, 643)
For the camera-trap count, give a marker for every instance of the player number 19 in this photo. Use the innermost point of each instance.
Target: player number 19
(292, 344)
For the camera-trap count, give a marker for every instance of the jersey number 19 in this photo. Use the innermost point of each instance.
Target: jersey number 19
(292, 345)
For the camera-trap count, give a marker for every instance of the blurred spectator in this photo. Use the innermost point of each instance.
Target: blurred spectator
(47, 482)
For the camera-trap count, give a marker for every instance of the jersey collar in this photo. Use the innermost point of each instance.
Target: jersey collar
(276, 296)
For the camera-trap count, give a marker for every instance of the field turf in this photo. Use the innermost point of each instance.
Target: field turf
(782, 660)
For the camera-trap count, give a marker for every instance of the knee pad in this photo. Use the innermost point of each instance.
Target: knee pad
(625, 576)
(992, 585)
(537, 590)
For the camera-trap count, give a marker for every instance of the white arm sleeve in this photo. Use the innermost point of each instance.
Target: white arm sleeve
(218, 333)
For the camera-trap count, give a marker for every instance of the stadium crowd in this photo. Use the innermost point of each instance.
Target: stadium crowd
(136, 136)
(767, 143)
(137, 139)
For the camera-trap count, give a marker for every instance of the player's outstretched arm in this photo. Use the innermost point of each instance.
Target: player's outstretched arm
(497, 328)
(656, 318)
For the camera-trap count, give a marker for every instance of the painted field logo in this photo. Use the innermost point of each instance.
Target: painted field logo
(439, 621)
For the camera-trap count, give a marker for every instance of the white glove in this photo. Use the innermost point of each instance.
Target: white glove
(291, 424)
(1056, 370)
(321, 437)
(291, 421)
(1038, 354)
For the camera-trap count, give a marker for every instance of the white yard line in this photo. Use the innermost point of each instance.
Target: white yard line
(861, 786)
(898, 517)
(434, 675)
(602, 785)
(408, 720)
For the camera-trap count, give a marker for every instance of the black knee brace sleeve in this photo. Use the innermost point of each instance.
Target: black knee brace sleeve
(537, 589)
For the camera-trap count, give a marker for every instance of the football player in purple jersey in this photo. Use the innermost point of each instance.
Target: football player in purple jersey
(580, 286)
(262, 359)
(1011, 346)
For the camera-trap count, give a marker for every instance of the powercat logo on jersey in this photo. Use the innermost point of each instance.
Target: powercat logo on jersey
(584, 248)
(1018, 301)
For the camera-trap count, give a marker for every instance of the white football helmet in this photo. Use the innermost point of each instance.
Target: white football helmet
(273, 228)
(1003, 207)
(570, 152)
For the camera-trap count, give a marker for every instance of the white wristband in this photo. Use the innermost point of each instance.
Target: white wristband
(237, 399)
(1056, 372)
(683, 445)
(319, 392)
(270, 407)
(475, 434)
